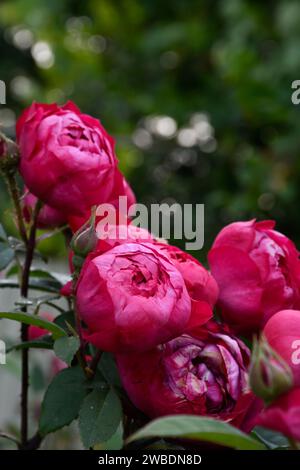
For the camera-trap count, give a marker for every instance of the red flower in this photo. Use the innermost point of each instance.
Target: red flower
(48, 217)
(283, 415)
(67, 158)
(121, 188)
(132, 298)
(258, 273)
(282, 332)
(199, 282)
(203, 374)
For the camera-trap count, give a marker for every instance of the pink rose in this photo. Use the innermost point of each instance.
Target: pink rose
(282, 332)
(121, 188)
(132, 298)
(48, 217)
(258, 273)
(199, 282)
(283, 415)
(67, 158)
(202, 374)
(115, 235)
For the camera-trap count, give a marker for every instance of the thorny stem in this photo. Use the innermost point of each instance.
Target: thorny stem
(24, 327)
(15, 195)
(80, 355)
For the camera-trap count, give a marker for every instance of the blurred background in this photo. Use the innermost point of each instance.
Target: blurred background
(197, 94)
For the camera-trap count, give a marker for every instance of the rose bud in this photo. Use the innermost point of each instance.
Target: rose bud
(258, 273)
(9, 155)
(282, 332)
(67, 158)
(202, 374)
(283, 415)
(132, 298)
(270, 376)
(199, 282)
(85, 239)
(48, 217)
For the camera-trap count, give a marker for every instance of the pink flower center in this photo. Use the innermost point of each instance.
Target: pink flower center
(205, 374)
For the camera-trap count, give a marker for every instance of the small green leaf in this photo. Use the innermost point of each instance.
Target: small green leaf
(44, 343)
(115, 442)
(62, 400)
(99, 416)
(198, 429)
(34, 320)
(272, 439)
(65, 348)
(6, 256)
(65, 319)
(107, 367)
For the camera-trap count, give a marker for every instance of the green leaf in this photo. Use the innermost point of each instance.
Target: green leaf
(45, 285)
(65, 348)
(62, 279)
(115, 442)
(6, 256)
(99, 416)
(198, 429)
(107, 367)
(43, 343)
(272, 439)
(34, 320)
(64, 319)
(62, 400)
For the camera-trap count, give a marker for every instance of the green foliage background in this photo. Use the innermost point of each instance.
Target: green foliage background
(126, 60)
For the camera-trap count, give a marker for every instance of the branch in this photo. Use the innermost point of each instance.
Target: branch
(24, 328)
(15, 195)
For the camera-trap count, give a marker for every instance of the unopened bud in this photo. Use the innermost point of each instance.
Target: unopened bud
(270, 376)
(9, 155)
(85, 239)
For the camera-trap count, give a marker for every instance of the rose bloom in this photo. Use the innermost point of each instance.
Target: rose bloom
(283, 415)
(282, 332)
(115, 235)
(67, 158)
(48, 217)
(121, 188)
(199, 282)
(258, 273)
(132, 298)
(202, 374)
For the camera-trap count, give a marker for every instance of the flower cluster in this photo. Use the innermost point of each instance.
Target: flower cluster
(152, 305)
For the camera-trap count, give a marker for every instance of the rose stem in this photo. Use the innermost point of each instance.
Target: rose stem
(24, 327)
(15, 195)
